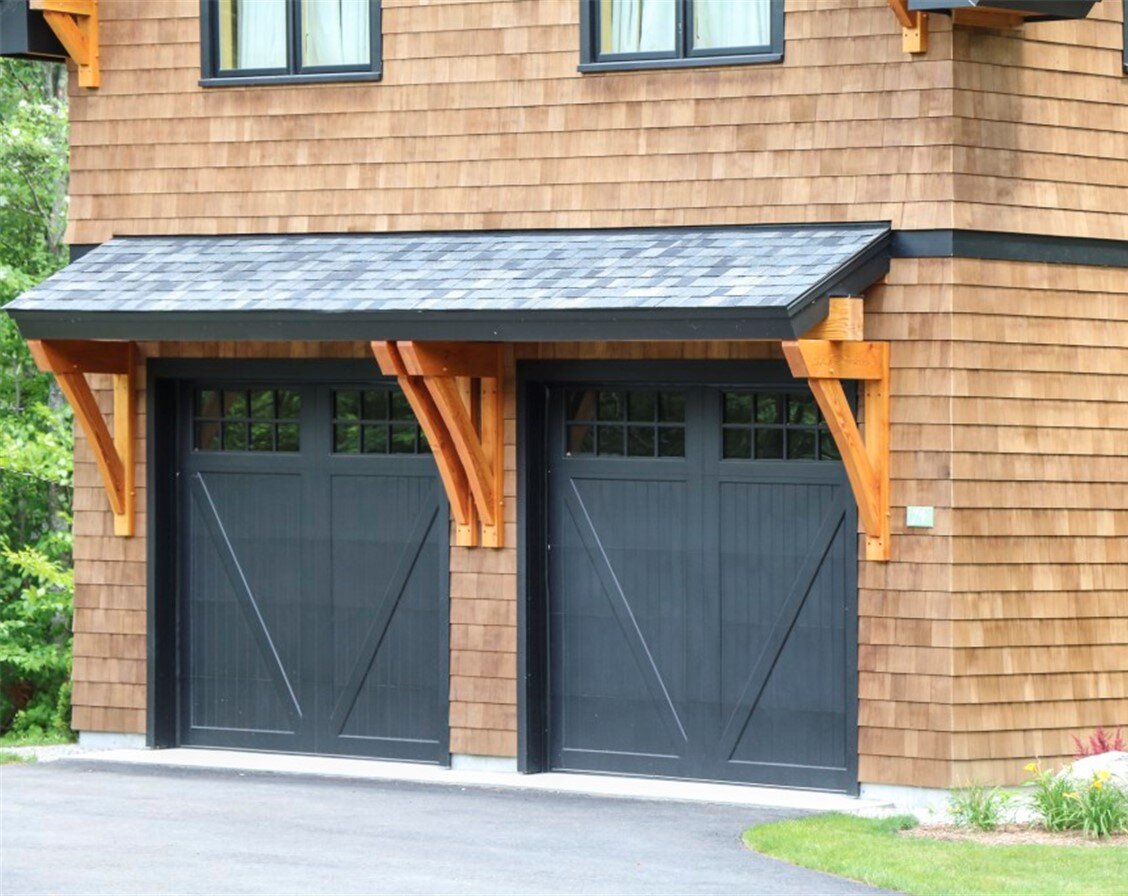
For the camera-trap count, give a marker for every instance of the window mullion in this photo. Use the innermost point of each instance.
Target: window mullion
(293, 23)
(684, 12)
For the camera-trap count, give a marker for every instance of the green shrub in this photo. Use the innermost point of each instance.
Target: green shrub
(1098, 808)
(979, 807)
(1050, 800)
(1102, 807)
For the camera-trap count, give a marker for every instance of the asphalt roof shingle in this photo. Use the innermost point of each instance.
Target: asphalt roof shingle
(516, 271)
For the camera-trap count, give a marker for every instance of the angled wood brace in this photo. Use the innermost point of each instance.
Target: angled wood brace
(70, 361)
(455, 389)
(75, 23)
(914, 27)
(824, 363)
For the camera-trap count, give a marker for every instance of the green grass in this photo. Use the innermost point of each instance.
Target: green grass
(870, 851)
(9, 758)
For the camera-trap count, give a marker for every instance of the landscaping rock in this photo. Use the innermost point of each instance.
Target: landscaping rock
(1115, 763)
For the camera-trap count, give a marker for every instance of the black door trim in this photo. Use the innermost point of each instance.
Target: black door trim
(534, 378)
(163, 437)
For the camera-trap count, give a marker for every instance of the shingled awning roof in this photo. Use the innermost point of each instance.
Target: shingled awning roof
(669, 283)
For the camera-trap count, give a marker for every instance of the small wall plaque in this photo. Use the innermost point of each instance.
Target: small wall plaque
(920, 517)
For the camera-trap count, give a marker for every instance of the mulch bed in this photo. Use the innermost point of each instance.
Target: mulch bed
(1014, 835)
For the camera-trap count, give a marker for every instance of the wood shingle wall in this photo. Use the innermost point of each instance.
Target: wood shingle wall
(1041, 128)
(1039, 607)
(482, 121)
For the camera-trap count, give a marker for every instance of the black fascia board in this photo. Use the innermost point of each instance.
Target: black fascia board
(472, 326)
(1001, 246)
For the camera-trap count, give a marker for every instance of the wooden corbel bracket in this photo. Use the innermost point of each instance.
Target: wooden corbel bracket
(825, 364)
(455, 389)
(70, 361)
(75, 23)
(914, 27)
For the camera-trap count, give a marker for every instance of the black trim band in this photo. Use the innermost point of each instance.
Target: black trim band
(480, 326)
(999, 246)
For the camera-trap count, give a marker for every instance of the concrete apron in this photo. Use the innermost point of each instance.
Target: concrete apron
(469, 773)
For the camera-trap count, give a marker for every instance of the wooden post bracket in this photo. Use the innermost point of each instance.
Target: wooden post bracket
(914, 27)
(70, 361)
(455, 389)
(75, 23)
(824, 364)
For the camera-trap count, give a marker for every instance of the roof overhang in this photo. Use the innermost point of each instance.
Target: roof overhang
(515, 286)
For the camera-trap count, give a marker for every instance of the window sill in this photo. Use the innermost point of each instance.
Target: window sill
(268, 80)
(631, 65)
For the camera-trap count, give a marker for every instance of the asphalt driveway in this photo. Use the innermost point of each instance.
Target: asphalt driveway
(82, 827)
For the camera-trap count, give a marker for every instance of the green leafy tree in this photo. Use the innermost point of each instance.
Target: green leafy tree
(36, 584)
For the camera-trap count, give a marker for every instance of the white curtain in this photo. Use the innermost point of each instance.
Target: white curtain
(640, 26)
(731, 23)
(335, 32)
(261, 34)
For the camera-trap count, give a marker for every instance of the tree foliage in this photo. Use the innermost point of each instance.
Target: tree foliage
(36, 585)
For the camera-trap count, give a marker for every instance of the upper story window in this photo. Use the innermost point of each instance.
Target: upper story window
(633, 34)
(280, 41)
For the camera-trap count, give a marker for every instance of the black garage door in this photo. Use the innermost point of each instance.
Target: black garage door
(313, 533)
(701, 579)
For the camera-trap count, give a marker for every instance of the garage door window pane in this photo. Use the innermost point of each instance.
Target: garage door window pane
(642, 406)
(738, 444)
(346, 439)
(289, 405)
(580, 404)
(246, 420)
(624, 423)
(234, 405)
(611, 406)
(234, 436)
(376, 405)
(262, 404)
(671, 442)
(640, 441)
(801, 445)
(375, 440)
(738, 407)
(207, 436)
(262, 437)
(375, 421)
(774, 426)
(287, 437)
(207, 403)
(609, 441)
(671, 407)
(802, 410)
(769, 444)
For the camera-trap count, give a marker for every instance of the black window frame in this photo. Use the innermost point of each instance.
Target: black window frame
(1125, 59)
(295, 72)
(684, 55)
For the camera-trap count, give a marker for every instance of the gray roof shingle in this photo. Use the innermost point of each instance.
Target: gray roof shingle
(525, 272)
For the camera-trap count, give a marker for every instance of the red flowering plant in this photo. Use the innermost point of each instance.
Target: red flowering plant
(1100, 741)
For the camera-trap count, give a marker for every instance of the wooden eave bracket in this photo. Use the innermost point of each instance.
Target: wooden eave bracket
(70, 361)
(455, 390)
(75, 23)
(914, 27)
(825, 362)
